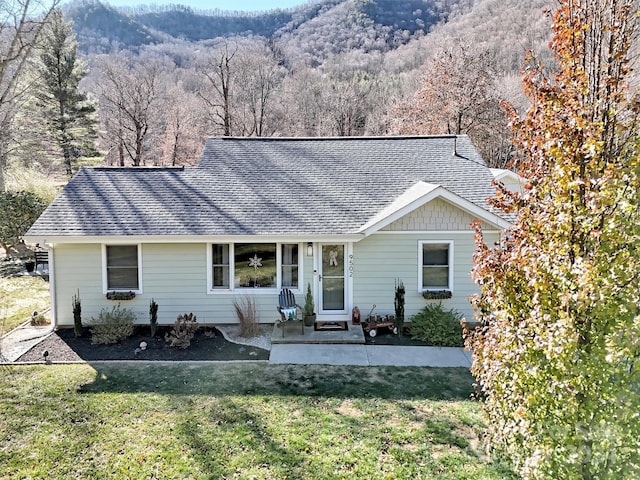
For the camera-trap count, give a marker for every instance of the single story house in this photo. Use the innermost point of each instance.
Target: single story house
(347, 216)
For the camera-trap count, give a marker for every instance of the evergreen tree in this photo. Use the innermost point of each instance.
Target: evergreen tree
(67, 112)
(558, 355)
(20, 27)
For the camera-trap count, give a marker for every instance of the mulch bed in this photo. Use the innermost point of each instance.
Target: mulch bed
(207, 344)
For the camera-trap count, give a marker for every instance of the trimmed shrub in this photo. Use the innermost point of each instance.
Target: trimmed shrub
(112, 326)
(184, 329)
(77, 314)
(437, 326)
(398, 303)
(309, 306)
(153, 317)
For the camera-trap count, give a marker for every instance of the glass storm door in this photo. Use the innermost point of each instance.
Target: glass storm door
(332, 279)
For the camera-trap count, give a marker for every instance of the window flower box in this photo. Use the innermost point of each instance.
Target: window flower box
(121, 295)
(436, 294)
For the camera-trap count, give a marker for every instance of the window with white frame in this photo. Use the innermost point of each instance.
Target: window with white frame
(122, 265)
(220, 266)
(289, 265)
(435, 272)
(254, 265)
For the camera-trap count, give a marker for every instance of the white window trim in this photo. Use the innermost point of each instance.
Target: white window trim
(256, 291)
(450, 265)
(105, 279)
(230, 254)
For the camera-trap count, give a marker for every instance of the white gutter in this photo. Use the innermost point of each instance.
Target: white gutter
(52, 288)
(129, 239)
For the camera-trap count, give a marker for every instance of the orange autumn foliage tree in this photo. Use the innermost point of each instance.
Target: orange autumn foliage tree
(557, 355)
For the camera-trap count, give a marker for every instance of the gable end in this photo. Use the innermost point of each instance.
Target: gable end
(437, 215)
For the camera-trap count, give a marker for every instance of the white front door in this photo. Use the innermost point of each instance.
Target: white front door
(332, 280)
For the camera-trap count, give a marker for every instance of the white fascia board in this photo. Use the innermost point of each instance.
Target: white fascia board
(130, 239)
(499, 174)
(420, 194)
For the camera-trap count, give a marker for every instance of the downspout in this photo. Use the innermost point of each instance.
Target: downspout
(52, 288)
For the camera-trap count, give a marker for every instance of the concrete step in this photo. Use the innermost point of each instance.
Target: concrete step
(293, 334)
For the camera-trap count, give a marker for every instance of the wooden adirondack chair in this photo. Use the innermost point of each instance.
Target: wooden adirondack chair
(289, 310)
(42, 258)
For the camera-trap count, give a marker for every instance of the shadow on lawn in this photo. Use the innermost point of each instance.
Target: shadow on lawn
(289, 380)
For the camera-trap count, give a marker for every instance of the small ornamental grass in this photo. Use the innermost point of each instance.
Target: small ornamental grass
(437, 326)
(247, 314)
(112, 326)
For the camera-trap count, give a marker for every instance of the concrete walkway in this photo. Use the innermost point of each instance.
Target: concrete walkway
(20, 340)
(364, 355)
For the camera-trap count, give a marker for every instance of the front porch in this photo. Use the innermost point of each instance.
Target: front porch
(293, 334)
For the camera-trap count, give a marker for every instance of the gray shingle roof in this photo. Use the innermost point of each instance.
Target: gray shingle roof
(258, 186)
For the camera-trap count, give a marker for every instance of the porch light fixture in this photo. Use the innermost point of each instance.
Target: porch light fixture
(309, 249)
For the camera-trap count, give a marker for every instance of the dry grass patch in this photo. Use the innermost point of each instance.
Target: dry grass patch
(19, 298)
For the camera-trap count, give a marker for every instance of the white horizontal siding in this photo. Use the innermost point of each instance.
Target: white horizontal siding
(174, 275)
(381, 259)
(78, 269)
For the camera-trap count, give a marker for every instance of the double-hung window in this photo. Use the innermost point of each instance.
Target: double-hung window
(289, 265)
(122, 267)
(254, 265)
(436, 265)
(220, 266)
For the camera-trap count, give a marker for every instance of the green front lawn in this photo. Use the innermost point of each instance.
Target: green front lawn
(245, 421)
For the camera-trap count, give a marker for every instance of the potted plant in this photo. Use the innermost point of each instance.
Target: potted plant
(30, 264)
(309, 314)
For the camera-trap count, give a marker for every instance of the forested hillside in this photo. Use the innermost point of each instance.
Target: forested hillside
(157, 80)
(328, 26)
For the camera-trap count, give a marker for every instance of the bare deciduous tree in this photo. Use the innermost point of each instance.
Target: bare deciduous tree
(184, 129)
(217, 71)
(259, 77)
(130, 95)
(457, 96)
(334, 103)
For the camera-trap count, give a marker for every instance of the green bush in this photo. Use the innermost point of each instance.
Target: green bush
(112, 326)
(436, 326)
